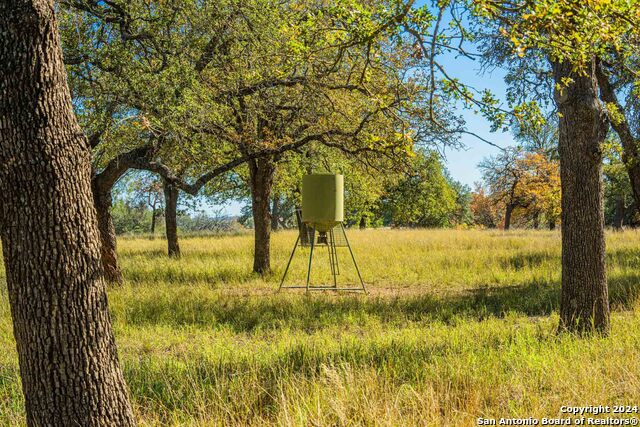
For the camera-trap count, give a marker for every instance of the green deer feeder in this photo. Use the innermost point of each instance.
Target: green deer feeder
(320, 224)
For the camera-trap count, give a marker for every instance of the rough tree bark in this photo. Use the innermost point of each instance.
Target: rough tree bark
(261, 173)
(584, 302)
(68, 360)
(102, 201)
(171, 193)
(101, 184)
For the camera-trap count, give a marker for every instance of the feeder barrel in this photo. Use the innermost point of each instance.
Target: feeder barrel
(323, 200)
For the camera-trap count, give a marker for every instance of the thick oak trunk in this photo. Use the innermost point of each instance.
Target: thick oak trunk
(171, 193)
(261, 174)
(68, 361)
(584, 302)
(102, 183)
(102, 201)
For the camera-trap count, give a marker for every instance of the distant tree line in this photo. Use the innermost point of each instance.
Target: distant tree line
(520, 188)
(521, 185)
(418, 194)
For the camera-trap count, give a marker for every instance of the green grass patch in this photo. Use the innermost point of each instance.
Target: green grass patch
(458, 325)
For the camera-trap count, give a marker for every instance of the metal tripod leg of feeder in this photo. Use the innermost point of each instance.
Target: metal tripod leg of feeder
(354, 259)
(336, 266)
(331, 250)
(330, 256)
(286, 270)
(313, 242)
(333, 256)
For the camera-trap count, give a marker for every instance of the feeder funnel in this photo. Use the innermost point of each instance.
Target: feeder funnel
(322, 201)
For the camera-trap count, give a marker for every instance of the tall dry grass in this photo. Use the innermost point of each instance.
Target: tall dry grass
(458, 324)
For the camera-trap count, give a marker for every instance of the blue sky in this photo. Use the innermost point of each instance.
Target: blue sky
(462, 164)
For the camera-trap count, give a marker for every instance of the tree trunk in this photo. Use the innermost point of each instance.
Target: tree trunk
(630, 144)
(618, 217)
(101, 184)
(507, 216)
(68, 360)
(275, 212)
(303, 230)
(552, 224)
(171, 218)
(536, 221)
(102, 201)
(584, 302)
(154, 215)
(261, 174)
(363, 223)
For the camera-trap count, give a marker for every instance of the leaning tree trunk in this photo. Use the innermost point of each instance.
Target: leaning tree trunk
(171, 193)
(102, 201)
(507, 216)
(261, 174)
(630, 144)
(66, 350)
(584, 302)
(101, 184)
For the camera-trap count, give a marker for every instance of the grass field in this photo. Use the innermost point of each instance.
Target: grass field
(458, 325)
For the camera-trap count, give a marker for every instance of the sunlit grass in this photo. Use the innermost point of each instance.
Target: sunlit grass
(458, 324)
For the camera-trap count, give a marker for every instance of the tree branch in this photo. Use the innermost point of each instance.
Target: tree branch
(106, 179)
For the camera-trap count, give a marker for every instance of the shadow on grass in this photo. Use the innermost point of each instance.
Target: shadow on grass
(627, 258)
(160, 254)
(309, 313)
(244, 388)
(176, 275)
(313, 312)
(529, 260)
